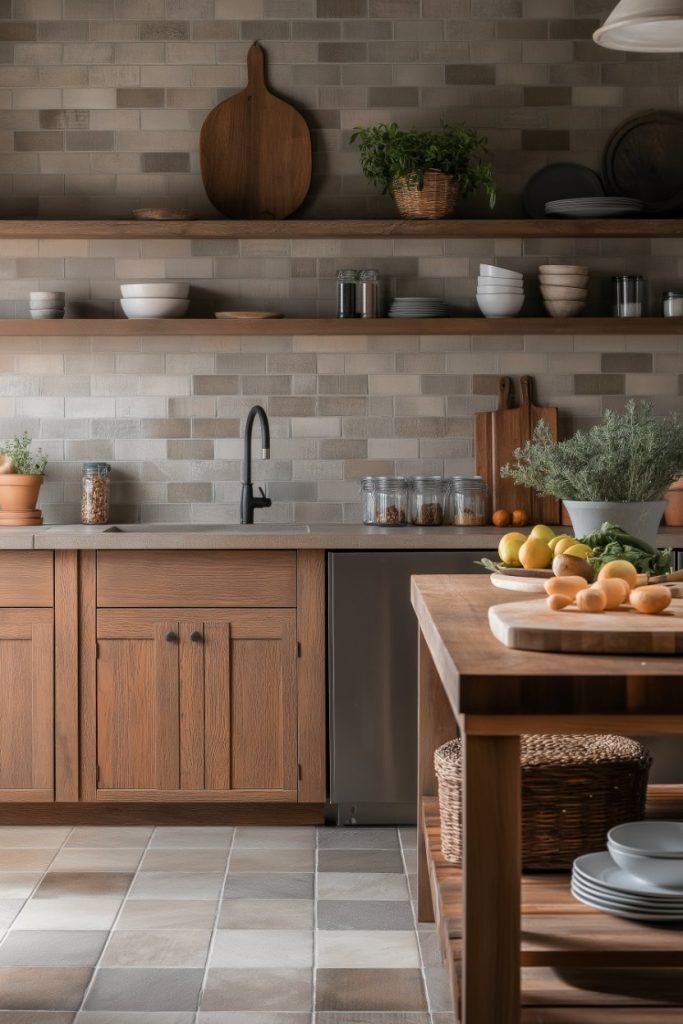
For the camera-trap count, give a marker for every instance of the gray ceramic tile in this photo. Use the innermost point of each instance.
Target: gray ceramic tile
(114, 859)
(176, 915)
(178, 885)
(164, 948)
(438, 989)
(357, 838)
(8, 911)
(271, 860)
(368, 861)
(94, 837)
(31, 1017)
(43, 988)
(252, 1017)
(52, 948)
(17, 884)
(134, 1017)
(120, 988)
(262, 948)
(83, 883)
(26, 860)
(181, 837)
(274, 838)
(360, 886)
(263, 989)
(245, 913)
(32, 836)
(184, 859)
(367, 949)
(369, 989)
(69, 914)
(285, 886)
(375, 1017)
(394, 915)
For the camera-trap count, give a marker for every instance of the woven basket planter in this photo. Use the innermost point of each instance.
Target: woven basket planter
(436, 199)
(574, 789)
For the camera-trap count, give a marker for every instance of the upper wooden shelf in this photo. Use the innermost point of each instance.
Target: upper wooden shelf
(288, 229)
(332, 327)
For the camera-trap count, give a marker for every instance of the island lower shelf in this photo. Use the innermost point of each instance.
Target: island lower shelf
(579, 966)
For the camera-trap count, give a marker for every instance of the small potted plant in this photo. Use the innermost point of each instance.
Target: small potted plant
(617, 472)
(426, 172)
(21, 475)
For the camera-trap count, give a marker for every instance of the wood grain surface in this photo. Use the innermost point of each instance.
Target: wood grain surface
(255, 151)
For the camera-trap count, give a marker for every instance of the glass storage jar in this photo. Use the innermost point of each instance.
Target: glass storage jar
(390, 501)
(346, 293)
(426, 500)
(467, 501)
(95, 502)
(367, 500)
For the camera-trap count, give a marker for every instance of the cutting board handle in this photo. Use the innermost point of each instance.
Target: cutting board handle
(504, 392)
(526, 384)
(256, 75)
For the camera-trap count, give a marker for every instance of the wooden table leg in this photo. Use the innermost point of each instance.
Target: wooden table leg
(492, 873)
(436, 725)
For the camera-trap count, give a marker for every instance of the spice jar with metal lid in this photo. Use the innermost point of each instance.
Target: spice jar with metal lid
(95, 498)
(672, 303)
(426, 500)
(390, 501)
(467, 501)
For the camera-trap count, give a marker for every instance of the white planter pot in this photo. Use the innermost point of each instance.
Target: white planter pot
(639, 518)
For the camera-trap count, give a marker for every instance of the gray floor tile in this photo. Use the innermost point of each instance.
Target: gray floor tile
(33, 837)
(286, 914)
(53, 948)
(410, 861)
(31, 1017)
(8, 911)
(106, 859)
(163, 948)
(430, 949)
(207, 837)
(253, 1017)
(408, 837)
(287, 886)
(438, 989)
(18, 885)
(99, 836)
(251, 837)
(360, 860)
(272, 860)
(374, 1017)
(357, 838)
(121, 988)
(42, 988)
(395, 915)
(26, 860)
(352, 989)
(184, 859)
(177, 885)
(257, 989)
(361, 886)
(69, 914)
(268, 948)
(83, 883)
(181, 915)
(133, 1017)
(367, 949)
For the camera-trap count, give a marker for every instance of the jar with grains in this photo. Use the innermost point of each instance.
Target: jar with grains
(426, 501)
(367, 500)
(95, 501)
(467, 501)
(390, 501)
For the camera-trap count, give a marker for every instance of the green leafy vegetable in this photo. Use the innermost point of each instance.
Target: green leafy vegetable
(18, 450)
(488, 564)
(610, 543)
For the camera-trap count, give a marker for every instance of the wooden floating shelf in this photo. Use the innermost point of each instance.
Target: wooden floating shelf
(333, 327)
(291, 229)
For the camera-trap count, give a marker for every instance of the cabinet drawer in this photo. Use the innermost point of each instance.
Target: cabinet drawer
(195, 579)
(26, 579)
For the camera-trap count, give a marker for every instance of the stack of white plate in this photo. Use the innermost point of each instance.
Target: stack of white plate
(500, 292)
(641, 875)
(415, 306)
(161, 300)
(46, 305)
(564, 289)
(594, 206)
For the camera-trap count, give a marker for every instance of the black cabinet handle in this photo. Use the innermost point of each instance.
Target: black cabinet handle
(171, 637)
(196, 637)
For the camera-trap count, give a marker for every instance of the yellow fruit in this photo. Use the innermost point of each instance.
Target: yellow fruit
(562, 543)
(619, 569)
(535, 554)
(578, 550)
(568, 586)
(616, 591)
(556, 602)
(508, 549)
(543, 533)
(591, 600)
(650, 600)
(501, 517)
(520, 517)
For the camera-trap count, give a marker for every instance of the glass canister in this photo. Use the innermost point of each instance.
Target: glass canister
(467, 501)
(390, 501)
(629, 295)
(346, 293)
(672, 304)
(427, 501)
(95, 500)
(367, 500)
(369, 293)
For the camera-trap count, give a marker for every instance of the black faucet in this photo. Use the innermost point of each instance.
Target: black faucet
(248, 502)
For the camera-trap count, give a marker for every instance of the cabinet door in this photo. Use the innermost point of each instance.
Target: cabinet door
(27, 702)
(137, 705)
(250, 712)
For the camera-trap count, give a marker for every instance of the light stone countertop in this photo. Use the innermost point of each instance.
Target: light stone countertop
(169, 536)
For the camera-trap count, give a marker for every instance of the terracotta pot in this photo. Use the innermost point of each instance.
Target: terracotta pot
(673, 513)
(19, 491)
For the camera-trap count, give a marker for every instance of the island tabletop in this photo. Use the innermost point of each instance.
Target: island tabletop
(472, 685)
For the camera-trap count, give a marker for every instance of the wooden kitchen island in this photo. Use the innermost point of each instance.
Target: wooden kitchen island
(525, 949)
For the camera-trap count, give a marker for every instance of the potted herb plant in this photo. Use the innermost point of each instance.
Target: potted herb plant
(426, 172)
(21, 474)
(617, 472)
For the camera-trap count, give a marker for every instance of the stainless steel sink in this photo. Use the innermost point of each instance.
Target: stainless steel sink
(207, 528)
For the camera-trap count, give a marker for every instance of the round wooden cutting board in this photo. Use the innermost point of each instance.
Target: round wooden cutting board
(518, 583)
(531, 626)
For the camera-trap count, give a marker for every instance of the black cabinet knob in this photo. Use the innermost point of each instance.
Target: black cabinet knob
(196, 637)
(171, 637)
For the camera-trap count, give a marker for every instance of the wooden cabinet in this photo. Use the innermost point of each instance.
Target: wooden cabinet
(196, 704)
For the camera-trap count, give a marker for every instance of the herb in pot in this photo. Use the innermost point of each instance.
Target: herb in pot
(24, 461)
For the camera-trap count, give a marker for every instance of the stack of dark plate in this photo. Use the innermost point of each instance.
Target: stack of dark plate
(414, 306)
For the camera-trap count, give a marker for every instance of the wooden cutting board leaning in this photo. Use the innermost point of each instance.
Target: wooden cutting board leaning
(531, 626)
(497, 435)
(255, 151)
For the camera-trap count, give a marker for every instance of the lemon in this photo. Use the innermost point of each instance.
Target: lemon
(508, 549)
(554, 541)
(563, 544)
(543, 533)
(535, 554)
(578, 551)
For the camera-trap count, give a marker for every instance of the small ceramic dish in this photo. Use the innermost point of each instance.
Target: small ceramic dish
(156, 290)
(500, 305)
(487, 270)
(154, 309)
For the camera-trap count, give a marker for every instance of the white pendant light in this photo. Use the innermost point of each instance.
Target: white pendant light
(644, 26)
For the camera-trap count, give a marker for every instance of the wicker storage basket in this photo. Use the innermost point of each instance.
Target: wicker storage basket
(574, 789)
(436, 199)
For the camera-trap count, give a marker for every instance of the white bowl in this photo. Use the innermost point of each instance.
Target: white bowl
(564, 307)
(45, 304)
(158, 290)
(55, 297)
(492, 293)
(47, 314)
(486, 270)
(649, 838)
(500, 305)
(153, 309)
(664, 871)
(484, 284)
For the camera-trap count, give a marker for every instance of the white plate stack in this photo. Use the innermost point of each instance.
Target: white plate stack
(594, 206)
(412, 306)
(500, 292)
(162, 300)
(564, 289)
(641, 875)
(46, 305)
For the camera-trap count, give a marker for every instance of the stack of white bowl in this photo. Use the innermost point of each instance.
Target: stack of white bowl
(564, 289)
(162, 300)
(500, 292)
(46, 305)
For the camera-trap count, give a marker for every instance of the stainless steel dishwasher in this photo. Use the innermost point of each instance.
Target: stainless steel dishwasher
(372, 664)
